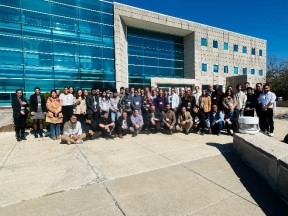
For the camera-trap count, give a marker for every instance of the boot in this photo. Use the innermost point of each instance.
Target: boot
(35, 134)
(41, 133)
(23, 137)
(18, 137)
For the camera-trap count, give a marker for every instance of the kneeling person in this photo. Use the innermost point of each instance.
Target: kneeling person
(136, 123)
(122, 125)
(89, 127)
(216, 120)
(106, 125)
(184, 121)
(169, 119)
(72, 131)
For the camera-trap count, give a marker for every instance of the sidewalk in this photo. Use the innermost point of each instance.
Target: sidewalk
(145, 175)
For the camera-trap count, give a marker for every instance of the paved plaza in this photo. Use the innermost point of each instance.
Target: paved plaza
(146, 175)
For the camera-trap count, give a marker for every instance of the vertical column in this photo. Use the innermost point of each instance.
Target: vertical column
(189, 56)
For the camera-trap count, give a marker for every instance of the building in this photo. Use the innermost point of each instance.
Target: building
(95, 43)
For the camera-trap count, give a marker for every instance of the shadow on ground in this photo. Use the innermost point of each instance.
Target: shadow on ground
(262, 194)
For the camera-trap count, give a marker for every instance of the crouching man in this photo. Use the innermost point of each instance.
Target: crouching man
(231, 120)
(89, 127)
(184, 121)
(136, 123)
(216, 120)
(107, 125)
(72, 132)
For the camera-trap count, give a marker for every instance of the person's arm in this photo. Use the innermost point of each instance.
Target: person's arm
(179, 120)
(164, 118)
(272, 101)
(43, 104)
(133, 120)
(141, 121)
(189, 117)
(174, 119)
(66, 129)
(221, 117)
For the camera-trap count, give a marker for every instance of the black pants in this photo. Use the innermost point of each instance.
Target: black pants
(67, 112)
(268, 120)
(96, 135)
(156, 127)
(259, 113)
(123, 132)
(20, 124)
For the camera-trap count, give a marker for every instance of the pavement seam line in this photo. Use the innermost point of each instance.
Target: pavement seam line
(2, 165)
(114, 199)
(100, 177)
(218, 185)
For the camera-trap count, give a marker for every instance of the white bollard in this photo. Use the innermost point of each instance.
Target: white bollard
(248, 125)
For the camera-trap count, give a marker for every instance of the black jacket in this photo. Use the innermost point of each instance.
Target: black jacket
(16, 106)
(86, 127)
(157, 114)
(90, 103)
(119, 122)
(34, 103)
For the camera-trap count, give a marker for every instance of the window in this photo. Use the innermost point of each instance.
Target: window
(244, 49)
(204, 67)
(235, 70)
(204, 42)
(226, 69)
(215, 68)
(252, 71)
(260, 52)
(215, 44)
(244, 71)
(253, 51)
(260, 72)
(235, 47)
(226, 46)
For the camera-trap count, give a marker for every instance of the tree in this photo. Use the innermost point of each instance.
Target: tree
(277, 76)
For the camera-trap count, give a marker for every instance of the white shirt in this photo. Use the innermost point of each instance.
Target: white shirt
(174, 101)
(266, 98)
(66, 100)
(197, 95)
(241, 99)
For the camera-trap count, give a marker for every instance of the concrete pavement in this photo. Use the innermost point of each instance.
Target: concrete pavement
(145, 175)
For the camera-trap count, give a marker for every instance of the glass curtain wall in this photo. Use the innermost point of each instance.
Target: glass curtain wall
(153, 54)
(54, 43)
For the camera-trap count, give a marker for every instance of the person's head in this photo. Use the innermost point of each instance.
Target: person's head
(246, 85)
(142, 91)
(167, 107)
(85, 93)
(73, 119)
(19, 93)
(230, 87)
(104, 114)
(37, 90)
(183, 110)
(229, 92)
(154, 92)
(217, 87)
(132, 90)
(249, 90)
(135, 112)
(266, 87)
(239, 87)
(127, 91)
(210, 87)
(172, 91)
(115, 93)
(231, 106)
(93, 91)
(104, 94)
(147, 89)
(122, 90)
(57, 91)
(88, 119)
(66, 90)
(124, 114)
(204, 92)
(79, 94)
(197, 88)
(195, 109)
(148, 95)
(160, 92)
(259, 87)
(214, 108)
(71, 90)
(53, 94)
(152, 108)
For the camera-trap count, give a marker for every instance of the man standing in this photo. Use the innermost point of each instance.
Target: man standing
(267, 102)
(258, 91)
(174, 100)
(216, 96)
(216, 120)
(160, 101)
(126, 102)
(136, 123)
(136, 101)
(241, 98)
(92, 102)
(184, 121)
(72, 131)
(197, 93)
(169, 119)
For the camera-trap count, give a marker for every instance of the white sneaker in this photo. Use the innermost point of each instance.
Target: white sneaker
(271, 134)
(79, 141)
(68, 143)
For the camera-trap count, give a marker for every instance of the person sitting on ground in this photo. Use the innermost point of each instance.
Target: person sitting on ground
(184, 121)
(136, 123)
(199, 120)
(154, 120)
(216, 120)
(106, 125)
(169, 119)
(122, 125)
(72, 131)
(89, 127)
(231, 120)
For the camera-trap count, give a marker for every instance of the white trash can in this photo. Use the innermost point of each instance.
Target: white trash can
(248, 125)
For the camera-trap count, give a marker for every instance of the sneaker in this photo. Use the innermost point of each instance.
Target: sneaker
(79, 141)
(271, 134)
(57, 137)
(134, 134)
(41, 135)
(186, 132)
(23, 138)
(36, 135)
(68, 143)
(120, 136)
(218, 134)
(53, 138)
(18, 139)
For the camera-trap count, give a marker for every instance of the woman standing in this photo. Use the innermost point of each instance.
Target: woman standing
(38, 111)
(229, 101)
(80, 107)
(54, 115)
(104, 102)
(205, 106)
(19, 106)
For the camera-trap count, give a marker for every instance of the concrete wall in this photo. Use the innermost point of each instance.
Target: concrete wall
(194, 53)
(268, 157)
(235, 80)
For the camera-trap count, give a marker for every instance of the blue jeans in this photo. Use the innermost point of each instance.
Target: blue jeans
(54, 130)
(115, 116)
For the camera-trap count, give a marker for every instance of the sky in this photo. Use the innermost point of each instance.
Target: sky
(266, 19)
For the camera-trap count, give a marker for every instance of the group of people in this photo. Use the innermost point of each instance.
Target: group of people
(74, 116)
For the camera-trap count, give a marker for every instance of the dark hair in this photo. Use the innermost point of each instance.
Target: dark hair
(246, 83)
(73, 115)
(66, 87)
(266, 84)
(18, 90)
(88, 117)
(237, 86)
(53, 91)
(122, 88)
(259, 84)
(77, 96)
(37, 88)
(249, 88)
(226, 93)
(196, 106)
